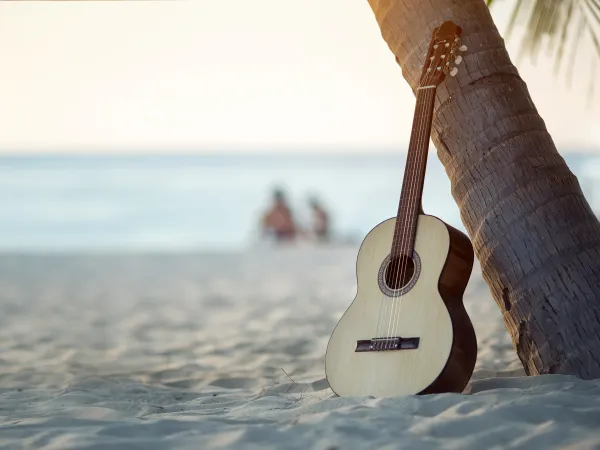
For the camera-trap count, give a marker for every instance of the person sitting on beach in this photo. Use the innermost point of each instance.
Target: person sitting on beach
(320, 220)
(278, 220)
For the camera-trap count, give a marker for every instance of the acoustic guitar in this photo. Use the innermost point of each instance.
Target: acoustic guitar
(407, 331)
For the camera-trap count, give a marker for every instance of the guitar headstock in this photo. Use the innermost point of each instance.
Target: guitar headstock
(443, 54)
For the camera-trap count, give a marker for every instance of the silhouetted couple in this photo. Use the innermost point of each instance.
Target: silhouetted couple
(279, 221)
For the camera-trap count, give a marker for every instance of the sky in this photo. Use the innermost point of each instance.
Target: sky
(216, 76)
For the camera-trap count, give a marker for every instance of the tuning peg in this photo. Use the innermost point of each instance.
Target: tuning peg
(454, 71)
(458, 59)
(463, 48)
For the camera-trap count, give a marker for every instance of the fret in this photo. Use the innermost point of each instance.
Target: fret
(414, 174)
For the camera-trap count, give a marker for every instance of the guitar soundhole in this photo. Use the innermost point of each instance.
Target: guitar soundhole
(399, 275)
(399, 272)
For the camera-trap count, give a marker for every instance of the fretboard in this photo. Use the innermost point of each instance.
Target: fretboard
(414, 174)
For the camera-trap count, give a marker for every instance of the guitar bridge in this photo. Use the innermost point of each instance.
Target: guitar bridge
(387, 344)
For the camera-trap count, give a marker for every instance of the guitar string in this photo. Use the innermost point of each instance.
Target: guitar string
(422, 139)
(411, 170)
(424, 316)
(412, 204)
(385, 300)
(419, 160)
(407, 224)
(393, 277)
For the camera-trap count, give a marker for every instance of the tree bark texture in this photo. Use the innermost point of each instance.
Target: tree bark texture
(535, 235)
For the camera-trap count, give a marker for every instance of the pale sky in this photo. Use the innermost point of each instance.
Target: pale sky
(235, 75)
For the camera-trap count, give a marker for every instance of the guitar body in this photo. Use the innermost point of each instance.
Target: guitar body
(429, 308)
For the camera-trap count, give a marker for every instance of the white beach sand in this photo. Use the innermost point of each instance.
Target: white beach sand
(148, 352)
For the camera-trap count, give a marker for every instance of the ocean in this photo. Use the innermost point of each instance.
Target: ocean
(206, 202)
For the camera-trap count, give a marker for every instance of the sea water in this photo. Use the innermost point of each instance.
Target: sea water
(206, 202)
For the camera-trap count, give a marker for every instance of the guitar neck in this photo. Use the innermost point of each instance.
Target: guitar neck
(414, 174)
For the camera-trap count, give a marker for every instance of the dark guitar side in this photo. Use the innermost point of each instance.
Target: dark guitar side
(452, 284)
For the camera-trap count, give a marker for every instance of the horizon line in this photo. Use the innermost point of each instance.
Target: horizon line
(240, 152)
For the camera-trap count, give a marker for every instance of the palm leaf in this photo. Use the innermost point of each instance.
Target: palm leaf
(559, 23)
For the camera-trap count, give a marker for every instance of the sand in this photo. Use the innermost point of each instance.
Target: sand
(149, 352)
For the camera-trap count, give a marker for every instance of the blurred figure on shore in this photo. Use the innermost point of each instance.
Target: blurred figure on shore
(278, 221)
(321, 222)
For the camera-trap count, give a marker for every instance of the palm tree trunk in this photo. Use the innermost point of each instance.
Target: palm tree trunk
(535, 235)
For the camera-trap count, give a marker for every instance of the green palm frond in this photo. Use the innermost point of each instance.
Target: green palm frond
(562, 23)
